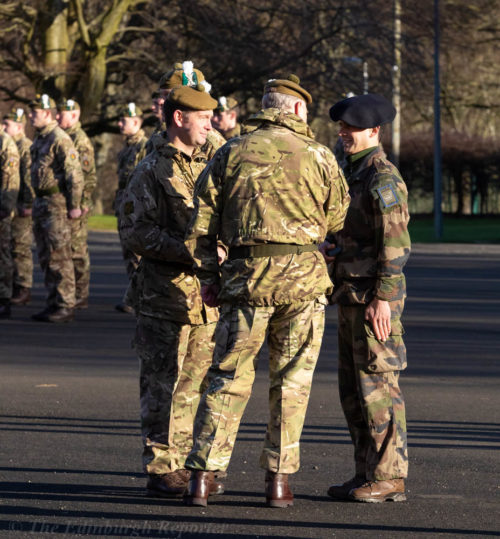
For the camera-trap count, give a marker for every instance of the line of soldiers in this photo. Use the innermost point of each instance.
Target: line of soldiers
(238, 243)
(46, 192)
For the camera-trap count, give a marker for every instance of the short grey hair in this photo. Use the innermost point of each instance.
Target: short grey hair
(279, 101)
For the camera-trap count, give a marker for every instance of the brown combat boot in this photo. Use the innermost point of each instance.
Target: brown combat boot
(22, 296)
(341, 492)
(169, 485)
(278, 493)
(55, 315)
(198, 489)
(390, 490)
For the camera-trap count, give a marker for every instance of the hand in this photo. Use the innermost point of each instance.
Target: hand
(209, 294)
(24, 212)
(323, 248)
(378, 313)
(221, 254)
(75, 213)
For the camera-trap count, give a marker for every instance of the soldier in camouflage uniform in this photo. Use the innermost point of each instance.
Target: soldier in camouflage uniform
(57, 178)
(130, 155)
(68, 117)
(22, 222)
(271, 196)
(225, 118)
(9, 189)
(174, 329)
(370, 292)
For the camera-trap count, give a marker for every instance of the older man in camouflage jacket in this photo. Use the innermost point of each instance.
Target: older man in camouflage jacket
(271, 196)
(370, 292)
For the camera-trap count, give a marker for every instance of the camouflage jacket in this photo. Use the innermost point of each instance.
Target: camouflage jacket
(55, 166)
(234, 132)
(214, 141)
(86, 152)
(26, 193)
(375, 241)
(9, 174)
(274, 184)
(128, 158)
(156, 208)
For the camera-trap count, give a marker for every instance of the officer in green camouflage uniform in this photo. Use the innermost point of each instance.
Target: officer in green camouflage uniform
(370, 292)
(9, 190)
(225, 118)
(174, 329)
(130, 155)
(22, 223)
(271, 196)
(57, 178)
(184, 74)
(68, 117)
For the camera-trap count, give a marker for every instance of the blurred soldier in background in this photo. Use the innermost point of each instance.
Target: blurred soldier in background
(130, 155)
(22, 224)
(9, 190)
(68, 117)
(225, 118)
(57, 178)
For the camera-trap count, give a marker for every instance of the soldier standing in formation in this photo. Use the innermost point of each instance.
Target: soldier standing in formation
(9, 190)
(22, 223)
(255, 197)
(57, 178)
(225, 118)
(130, 155)
(370, 292)
(174, 328)
(68, 117)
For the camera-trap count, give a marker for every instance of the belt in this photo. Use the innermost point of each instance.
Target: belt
(269, 249)
(47, 192)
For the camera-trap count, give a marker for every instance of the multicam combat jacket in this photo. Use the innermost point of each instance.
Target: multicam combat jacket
(375, 241)
(26, 193)
(274, 184)
(55, 168)
(9, 174)
(86, 152)
(156, 209)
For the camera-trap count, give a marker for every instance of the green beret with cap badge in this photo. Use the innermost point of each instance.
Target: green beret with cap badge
(68, 104)
(130, 110)
(226, 103)
(192, 98)
(182, 74)
(16, 114)
(43, 102)
(289, 86)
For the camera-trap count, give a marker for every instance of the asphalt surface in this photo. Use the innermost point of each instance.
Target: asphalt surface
(70, 446)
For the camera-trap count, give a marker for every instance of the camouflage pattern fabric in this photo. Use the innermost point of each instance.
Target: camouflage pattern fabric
(375, 247)
(174, 360)
(9, 190)
(274, 184)
(79, 227)
(58, 182)
(234, 132)
(22, 226)
(370, 395)
(295, 333)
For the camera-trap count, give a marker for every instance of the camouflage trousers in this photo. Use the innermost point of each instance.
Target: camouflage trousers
(174, 361)
(80, 256)
(294, 334)
(22, 256)
(131, 264)
(370, 395)
(53, 244)
(6, 264)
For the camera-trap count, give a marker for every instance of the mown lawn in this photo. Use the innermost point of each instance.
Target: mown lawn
(455, 229)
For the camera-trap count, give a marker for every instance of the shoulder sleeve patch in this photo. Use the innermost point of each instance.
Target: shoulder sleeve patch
(387, 195)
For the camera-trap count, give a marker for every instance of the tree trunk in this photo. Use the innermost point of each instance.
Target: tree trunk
(56, 48)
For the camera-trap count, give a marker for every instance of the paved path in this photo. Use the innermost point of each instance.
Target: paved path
(70, 446)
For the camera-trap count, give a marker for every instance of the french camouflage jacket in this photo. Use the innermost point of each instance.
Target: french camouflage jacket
(9, 174)
(274, 184)
(155, 211)
(375, 242)
(86, 152)
(26, 193)
(56, 172)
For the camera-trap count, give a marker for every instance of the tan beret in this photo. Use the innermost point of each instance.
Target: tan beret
(16, 115)
(182, 74)
(43, 102)
(289, 86)
(192, 98)
(68, 104)
(226, 103)
(130, 110)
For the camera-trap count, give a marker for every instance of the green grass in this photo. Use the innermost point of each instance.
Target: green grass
(474, 229)
(455, 229)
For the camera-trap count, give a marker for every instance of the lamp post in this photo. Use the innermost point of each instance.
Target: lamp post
(438, 216)
(358, 60)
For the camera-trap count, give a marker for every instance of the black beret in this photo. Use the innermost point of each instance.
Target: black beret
(363, 111)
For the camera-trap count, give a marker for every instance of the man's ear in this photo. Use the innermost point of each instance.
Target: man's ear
(375, 131)
(177, 118)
